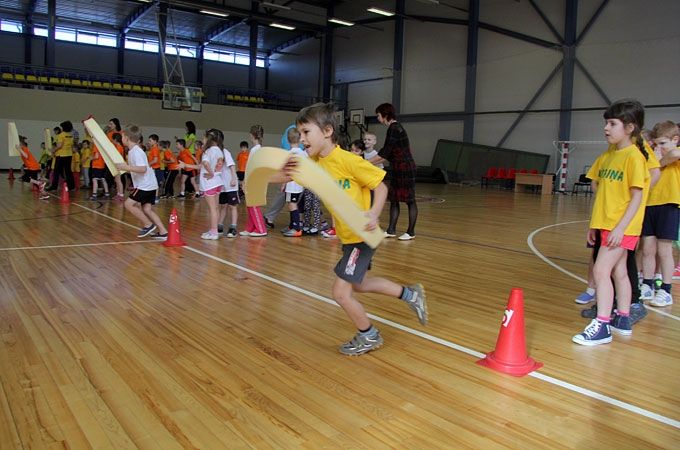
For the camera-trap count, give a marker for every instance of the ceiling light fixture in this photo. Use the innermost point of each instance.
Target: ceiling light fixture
(274, 5)
(213, 13)
(341, 22)
(282, 26)
(382, 12)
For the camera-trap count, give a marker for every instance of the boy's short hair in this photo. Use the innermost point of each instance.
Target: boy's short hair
(85, 141)
(181, 142)
(257, 131)
(118, 137)
(66, 126)
(665, 129)
(133, 132)
(293, 136)
(164, 144)
(154, 137)
(320, 114)
(244, 144)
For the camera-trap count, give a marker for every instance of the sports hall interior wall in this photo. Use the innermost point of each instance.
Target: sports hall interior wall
(34, 110)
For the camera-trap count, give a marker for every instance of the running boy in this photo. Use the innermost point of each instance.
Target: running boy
(143, 195)
(318, 130)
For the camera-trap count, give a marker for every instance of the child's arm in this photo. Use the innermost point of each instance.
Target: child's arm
(154, 160)
(654, 175)
(379, 197)
(616, 235)
(670, 157)
(234, 178)
(21, 151)
(128, 168)
(183, 165)
(377, 159)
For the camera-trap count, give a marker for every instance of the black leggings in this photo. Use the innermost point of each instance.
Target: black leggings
(62, 168)
(169, 183)
(412, 217)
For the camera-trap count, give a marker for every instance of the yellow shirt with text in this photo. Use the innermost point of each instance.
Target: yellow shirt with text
(75, 162)
(85, 157)
(667, 189)
(616, 172)
(66, 141)
(357, 177)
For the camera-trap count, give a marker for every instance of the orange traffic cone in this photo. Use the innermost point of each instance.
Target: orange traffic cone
(510, 355)
(11, 174)
(174, 238)
(65, 198)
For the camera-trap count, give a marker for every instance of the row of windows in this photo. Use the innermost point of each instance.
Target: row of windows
(145, 45)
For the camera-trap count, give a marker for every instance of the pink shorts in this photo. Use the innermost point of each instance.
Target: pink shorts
(213, 192)
(628, 242)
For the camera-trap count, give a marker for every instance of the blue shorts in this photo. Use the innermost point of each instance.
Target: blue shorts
(160, 176)
(662, 221)
(355, 262)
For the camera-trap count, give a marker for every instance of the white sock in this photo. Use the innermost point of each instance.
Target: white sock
(590, 291)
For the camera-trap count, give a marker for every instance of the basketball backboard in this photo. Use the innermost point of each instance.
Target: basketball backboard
(182, 98)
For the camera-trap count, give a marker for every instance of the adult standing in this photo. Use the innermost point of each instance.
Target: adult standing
(402, 187)
(190, 139)
(63, 154)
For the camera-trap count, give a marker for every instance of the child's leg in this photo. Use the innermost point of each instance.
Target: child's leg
(147, 211)
(119, 185)
(257, 220)
(623, 286)
(136, 210)
(607, 258)
(193, 183)
(665, 252)
(343, 295)
(223, 214)
(394, 217)
(212, 212)
(86, 177)
(182, 183)
(76, 180)
(412, 217)
(106, 186)
(234, 215)
(648, 257)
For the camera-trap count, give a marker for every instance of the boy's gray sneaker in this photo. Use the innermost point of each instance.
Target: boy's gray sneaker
(361, 344)
(418, 303)
(637, 312)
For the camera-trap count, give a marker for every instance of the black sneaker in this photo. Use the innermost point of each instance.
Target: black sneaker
(181, 196)
(144, 232)
(220, 228)
(637, 312)
(589, 313)
(269, 223)
(161, 237)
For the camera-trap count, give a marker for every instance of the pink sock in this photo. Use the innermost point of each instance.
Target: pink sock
(603, 319)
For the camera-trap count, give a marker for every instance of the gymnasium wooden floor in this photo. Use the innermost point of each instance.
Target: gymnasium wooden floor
(113, 342)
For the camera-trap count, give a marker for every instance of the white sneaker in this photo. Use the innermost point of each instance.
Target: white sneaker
(244, 233)
(406, 237)
(661, 299)
(389, 235)
(646, 293)
(209, 236)
(256, 234)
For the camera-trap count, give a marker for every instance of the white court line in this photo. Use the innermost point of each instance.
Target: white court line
(96, 244)
(555, 381)
(530, 243)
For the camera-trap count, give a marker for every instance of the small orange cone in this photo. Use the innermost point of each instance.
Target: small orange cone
(11, 174)
(510, 355)
(174, 238)
(65, 198)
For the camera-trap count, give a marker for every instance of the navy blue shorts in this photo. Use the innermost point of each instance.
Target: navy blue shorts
(355, 262)
(662, 221)
(160, 175)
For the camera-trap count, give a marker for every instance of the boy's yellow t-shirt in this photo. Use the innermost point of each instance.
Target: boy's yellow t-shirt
(667, 189)
(616, 171)
(85, 157)
(357, 177)
(66, 141)
(75, 162)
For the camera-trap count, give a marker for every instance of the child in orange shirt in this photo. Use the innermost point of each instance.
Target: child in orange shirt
(172, 166)
(31, 166)
(98, 173)
(117, 140)
(154, 157)
(241, 162)
(187, 158)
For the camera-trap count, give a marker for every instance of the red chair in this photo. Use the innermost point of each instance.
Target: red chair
(533, 171)
(523, 171)
(491, 174)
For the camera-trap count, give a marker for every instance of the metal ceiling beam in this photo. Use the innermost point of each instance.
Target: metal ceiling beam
(592, 20)
(595, 84)
(296, 40)
(547, 21)
(252, 66)
(135, 16)
(569, 60)
(471, 71)
(220, 29)
(50, 44)
(398, 58)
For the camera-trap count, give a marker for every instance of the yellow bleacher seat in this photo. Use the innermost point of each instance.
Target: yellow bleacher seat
(96, 84)
(8, 76)
(54, 80)
(238, 98)
(230, 97)
(76, 82)
(86, 83)
(146, 88)
(65, 81)
(42, 79)
(117, 86)
(106, 85)
(137, 88)
(127, 87)
(156, 90)
(29, 78)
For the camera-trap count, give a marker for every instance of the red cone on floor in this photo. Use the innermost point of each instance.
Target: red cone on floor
(11, 174)
(65, 198)
(510, 355)
(174, 236)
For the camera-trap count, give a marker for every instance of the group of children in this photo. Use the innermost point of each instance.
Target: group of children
(636, 205)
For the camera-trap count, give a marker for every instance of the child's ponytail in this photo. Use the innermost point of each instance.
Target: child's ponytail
(640, 143)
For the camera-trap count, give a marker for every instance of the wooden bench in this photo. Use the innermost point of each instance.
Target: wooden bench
(523, 180)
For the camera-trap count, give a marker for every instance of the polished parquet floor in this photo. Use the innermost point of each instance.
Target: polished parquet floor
(114, 342)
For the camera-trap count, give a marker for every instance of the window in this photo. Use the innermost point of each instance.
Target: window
(242, 59)
(65, 34)
(107, 40)
(40, 31)
(94, 38)
(184, 50)
(142, 44)
(11, 26)
(87, 38)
